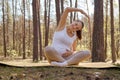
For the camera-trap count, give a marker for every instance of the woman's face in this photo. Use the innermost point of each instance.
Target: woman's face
(75, 26)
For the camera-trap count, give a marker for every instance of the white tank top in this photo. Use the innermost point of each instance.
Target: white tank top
(62, 41)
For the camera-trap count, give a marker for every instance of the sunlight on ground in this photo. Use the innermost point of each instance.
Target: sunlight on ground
(30, 63)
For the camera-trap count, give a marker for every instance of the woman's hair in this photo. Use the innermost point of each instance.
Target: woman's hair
(79, 32)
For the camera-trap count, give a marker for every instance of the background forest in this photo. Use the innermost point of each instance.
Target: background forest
(27, 26)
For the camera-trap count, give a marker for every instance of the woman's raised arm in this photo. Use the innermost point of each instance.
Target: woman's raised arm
(63, 18)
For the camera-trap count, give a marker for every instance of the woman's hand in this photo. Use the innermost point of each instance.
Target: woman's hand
(67, 53)
(70, 9)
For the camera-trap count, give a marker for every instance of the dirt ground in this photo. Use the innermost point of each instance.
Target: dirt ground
(58, 73)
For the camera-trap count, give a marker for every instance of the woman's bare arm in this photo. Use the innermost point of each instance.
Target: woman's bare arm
(65, 14)
(74, 45)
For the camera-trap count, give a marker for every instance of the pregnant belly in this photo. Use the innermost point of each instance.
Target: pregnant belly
(61, 50)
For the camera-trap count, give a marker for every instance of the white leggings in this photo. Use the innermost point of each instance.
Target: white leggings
(52, 55)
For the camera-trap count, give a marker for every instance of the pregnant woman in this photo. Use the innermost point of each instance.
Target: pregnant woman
(62, 51)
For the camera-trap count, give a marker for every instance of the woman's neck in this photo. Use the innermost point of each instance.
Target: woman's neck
(69, 31)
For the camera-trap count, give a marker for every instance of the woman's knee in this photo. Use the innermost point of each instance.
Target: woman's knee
(87, 53)
(49, 50)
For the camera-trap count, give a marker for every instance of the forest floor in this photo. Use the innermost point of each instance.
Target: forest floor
(84, 71)
(58, 73)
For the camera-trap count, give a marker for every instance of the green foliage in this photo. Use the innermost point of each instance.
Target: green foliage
(12, 53)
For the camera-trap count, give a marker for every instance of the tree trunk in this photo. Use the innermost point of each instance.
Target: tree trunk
(119, 19)
(112, 32)
(35, 30)
(106, 21)
(13, 24)
(46, 27)
(62, 6)
(48, 24)
(119, 30)
(7, 26)
(118, 35)
(75, 12)
(57, 4)
(24, 55)
(4, 39)
(39, 30)
(71, 15)
(29, 26)
(98, 37)
(90, 32)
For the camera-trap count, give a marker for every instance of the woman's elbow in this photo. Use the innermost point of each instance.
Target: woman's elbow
(67, 9)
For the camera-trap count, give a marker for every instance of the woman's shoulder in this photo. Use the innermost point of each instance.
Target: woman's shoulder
(60, 29)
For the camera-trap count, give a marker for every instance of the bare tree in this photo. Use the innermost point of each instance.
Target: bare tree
(62, 6)
(90, 32)
(39, 30)
(29, 24)
(106, 26)
(75, 12)
(112, 32)
(45, 20)
(119, 30)
(71, 15)
(35, 30)
(24, 55)
(4, 39)
(7, 24)
(49, 14)
(13, 24)
(119, 20)
(98, 37)
(118, 35)
(57, 4)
